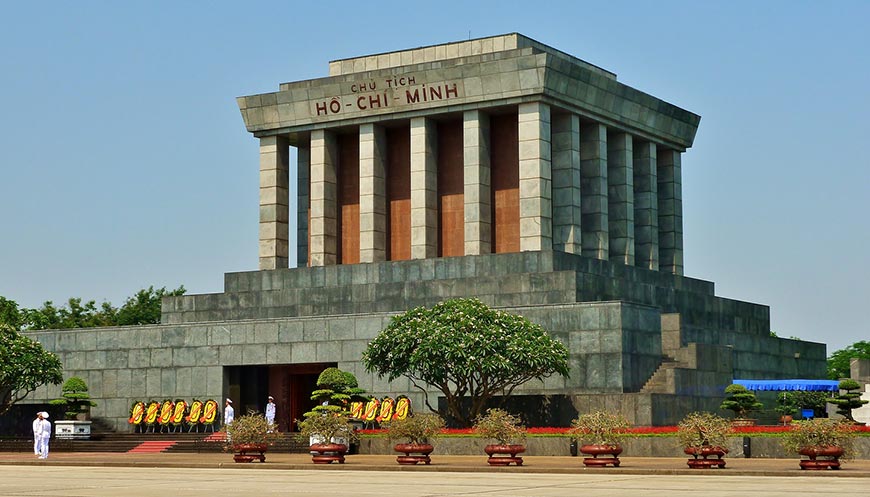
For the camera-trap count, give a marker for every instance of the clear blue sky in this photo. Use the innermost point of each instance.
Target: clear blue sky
(124, 161)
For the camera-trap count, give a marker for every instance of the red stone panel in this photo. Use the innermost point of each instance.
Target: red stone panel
(451, 197)
(505, 164)
(348, 198)
(399, 193)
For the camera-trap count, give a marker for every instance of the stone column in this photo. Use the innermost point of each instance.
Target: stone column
(323, 229)
(536, 178)
(567, 236)
(593, 190)
(478, 205)
(372, 193)
(274, 202)
(646, 206)
(670, 185)
(424, 188)
(620, 198)
(303, 203)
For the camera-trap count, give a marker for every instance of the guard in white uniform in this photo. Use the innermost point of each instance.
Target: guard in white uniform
(229, 415)
(270, 411)
(37, 434)
(45, 435)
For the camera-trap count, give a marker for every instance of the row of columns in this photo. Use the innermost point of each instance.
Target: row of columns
(583, 189)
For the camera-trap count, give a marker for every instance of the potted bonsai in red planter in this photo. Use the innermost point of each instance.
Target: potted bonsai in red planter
(328, 431)
(249, 436)
(823, 441)
(703, 436)
(602, 432)
(417, 430)
(508, 432)
(742, 402)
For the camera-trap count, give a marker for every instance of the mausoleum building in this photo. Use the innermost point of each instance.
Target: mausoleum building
(499, 168)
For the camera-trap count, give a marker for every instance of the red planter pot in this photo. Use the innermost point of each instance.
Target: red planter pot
(597, 451)
(830, 457)
(504, 455)
(328, 453)
(706, 457)
(414, 453)
(249, 452)
(743, 422)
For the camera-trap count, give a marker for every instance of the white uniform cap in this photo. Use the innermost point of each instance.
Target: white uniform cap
(44, 414)
(230, 401)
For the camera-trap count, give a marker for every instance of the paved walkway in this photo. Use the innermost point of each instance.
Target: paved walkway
(440, 463)
(52, 479)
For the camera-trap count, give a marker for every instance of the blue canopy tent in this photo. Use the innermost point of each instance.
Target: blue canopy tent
(791, 385)
(784, 385)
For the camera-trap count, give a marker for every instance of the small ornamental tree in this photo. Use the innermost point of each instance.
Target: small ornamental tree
(24, 366)
(335, 390)
(465, 350)
(740, 400)
(848, 398)
(74, 398)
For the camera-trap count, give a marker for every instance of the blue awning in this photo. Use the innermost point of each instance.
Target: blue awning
(781, 385)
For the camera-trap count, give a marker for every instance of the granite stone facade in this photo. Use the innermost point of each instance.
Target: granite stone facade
(498, 168)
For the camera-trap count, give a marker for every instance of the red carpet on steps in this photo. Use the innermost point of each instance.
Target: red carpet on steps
(151, 447)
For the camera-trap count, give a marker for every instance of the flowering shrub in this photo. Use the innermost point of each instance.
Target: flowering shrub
(600, 428)
(819, 432)
(417, 428)
(500, 426)
(702, 429)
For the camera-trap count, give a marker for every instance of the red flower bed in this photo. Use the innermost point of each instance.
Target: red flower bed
(637, 430)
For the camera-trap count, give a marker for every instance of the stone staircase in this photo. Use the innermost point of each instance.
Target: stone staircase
(662, 379)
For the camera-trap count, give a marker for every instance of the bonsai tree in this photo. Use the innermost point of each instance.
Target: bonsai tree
(250, 429)
(467, 351)
(335, 390)
(785, 404)
(848, 398)
(74, 399)
(416, 429)
(501, 426)
(703, 429)
(325, 427)
(740, 400)
(599, 428)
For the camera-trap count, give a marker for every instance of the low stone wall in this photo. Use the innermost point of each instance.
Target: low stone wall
(761, 447)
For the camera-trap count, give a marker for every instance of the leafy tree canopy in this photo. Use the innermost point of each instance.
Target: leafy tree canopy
(141, 308)
(466, 350)
(838, 362)
(24, 366)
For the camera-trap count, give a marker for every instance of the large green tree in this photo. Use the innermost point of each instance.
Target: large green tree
(24, 366)
(141, 308)
(838, 362)
(467, 351)
(144, 307)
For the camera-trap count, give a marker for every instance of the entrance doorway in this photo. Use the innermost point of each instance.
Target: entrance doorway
(290, 384)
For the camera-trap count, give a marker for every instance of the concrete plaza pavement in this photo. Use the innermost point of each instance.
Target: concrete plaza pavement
(93, 481)
(73, 474)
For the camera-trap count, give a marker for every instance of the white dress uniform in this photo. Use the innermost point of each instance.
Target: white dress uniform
(270, 412)
(45, 434)
(37, 436)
